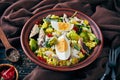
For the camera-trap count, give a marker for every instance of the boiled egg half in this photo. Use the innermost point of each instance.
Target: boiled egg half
(63, 48)
(61, 26)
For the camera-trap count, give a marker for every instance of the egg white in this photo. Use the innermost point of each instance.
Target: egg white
(66, 54)
(55, 26)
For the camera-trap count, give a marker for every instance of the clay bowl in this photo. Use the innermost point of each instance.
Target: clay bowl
(59, 11)
(7, 66)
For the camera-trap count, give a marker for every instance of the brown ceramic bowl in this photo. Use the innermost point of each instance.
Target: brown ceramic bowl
(7, 66)
(59, 11)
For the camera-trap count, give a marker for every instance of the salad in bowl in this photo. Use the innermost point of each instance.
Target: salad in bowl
(61, 39)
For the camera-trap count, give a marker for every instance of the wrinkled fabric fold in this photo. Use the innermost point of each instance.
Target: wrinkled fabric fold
(106, 13)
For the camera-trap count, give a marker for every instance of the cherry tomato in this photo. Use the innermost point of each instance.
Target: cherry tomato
(75, 28)
(49, 35)
(37, 22)
(41, 58)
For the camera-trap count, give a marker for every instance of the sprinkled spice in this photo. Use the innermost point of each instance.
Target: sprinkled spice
(14, 55)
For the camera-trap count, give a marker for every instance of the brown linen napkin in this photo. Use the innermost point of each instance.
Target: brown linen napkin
(43, 74)
(106, 13)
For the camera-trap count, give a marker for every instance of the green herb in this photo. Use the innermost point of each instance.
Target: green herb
(97, 40)
(76, 47)
(47, 44)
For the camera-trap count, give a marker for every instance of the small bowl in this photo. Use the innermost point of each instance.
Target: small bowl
(7, 66)
(60, 11)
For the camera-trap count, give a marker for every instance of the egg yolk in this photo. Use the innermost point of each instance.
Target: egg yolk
(62, 45)
(63, 26)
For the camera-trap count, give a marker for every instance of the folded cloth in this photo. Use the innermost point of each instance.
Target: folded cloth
(38, 73)
(106, 13)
